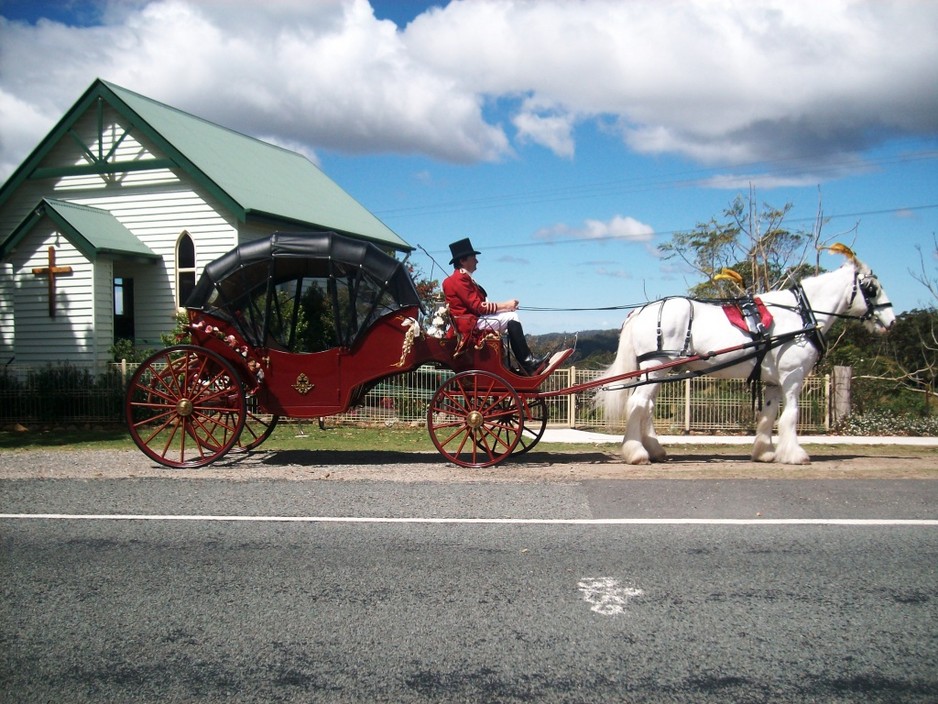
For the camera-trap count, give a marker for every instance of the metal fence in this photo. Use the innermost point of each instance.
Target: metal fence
(65, 395)
(700, 405)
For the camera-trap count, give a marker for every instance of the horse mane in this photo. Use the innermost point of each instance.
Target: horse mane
(838, 248)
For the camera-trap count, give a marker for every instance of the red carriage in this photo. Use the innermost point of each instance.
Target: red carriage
(303, 326)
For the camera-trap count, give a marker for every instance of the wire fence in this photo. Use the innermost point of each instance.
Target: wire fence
(67, 395)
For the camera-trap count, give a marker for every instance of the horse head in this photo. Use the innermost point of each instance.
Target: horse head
(869, 301)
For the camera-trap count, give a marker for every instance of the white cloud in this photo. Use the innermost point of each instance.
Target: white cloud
(552, 129)
(618, 228)
(17, 134)
(718, 81)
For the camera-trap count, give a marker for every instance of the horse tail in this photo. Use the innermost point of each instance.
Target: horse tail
(613, 403)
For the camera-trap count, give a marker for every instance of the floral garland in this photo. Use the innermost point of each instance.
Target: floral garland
(232, 342)
(435, 327)
(438, 322)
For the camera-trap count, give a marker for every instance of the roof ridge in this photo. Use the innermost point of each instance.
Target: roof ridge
(121, 89)
(72, 204)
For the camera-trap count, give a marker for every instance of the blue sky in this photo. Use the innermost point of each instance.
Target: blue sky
(567, 139)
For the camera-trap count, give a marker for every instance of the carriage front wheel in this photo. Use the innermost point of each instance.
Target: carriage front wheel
(475, 419)
(185, 406)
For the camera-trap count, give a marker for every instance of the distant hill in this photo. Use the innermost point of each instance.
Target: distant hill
(595, 349)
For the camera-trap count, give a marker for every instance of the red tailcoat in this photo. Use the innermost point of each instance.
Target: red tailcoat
(467, 302)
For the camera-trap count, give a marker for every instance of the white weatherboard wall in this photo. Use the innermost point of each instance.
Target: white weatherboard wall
(40, 338)
(158, 207)
(7, 289)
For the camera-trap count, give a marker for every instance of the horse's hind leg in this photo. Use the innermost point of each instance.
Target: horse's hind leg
(762, 449)
(656, 453)
(640, 406)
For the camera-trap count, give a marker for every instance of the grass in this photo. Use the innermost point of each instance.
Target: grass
(288, 436)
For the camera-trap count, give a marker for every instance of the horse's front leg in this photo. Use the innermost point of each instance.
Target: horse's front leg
(762, 449)
(788, 450)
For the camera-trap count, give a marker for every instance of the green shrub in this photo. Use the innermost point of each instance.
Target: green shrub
(884, 422)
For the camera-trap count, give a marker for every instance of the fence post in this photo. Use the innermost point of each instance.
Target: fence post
(687, 406)
(840, 396)
(571, 399)
(124, 371)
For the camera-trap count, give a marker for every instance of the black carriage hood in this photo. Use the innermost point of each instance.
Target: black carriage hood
(381, 267)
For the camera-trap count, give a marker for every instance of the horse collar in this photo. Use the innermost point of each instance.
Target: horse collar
(813, 331)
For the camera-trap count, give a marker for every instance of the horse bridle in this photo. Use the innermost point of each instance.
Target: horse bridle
(869, 287)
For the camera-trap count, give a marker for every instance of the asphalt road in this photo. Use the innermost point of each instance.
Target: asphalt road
(187, 590)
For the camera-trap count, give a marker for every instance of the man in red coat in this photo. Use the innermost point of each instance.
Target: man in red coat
(472, 311)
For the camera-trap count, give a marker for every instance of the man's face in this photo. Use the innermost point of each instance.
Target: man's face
(470, 263)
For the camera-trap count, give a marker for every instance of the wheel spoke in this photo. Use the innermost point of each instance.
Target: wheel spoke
(474, 419)
(185, 406)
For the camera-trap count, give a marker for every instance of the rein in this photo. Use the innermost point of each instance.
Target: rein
(866, 288)
(758, 347)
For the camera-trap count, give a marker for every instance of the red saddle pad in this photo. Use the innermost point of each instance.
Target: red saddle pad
(735, 315)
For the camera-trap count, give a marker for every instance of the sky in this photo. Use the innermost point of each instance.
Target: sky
(568, 139)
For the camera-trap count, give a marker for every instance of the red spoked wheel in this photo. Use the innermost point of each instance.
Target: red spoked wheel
(535, 423)
(257, 427)
(185, 406)
(475, 419)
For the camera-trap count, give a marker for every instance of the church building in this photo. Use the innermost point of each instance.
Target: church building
(108, 223)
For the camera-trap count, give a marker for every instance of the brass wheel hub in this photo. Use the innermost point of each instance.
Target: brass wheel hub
(474, 419)
(184, 407)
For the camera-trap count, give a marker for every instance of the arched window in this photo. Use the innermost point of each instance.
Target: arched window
(185, 269)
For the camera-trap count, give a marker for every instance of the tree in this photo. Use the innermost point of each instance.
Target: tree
(428, 290)
(753, 242)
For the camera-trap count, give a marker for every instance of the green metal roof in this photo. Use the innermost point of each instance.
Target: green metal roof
(249, 176)
(91, 230)
(263, 179)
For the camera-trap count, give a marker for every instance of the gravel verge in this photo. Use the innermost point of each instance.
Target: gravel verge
(600, 462)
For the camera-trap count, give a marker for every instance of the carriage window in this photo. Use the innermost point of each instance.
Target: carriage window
(242, 298)
(302, 315)
(363, 301)
(185, 269)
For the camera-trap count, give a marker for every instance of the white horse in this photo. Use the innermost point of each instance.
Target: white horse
(676, 328)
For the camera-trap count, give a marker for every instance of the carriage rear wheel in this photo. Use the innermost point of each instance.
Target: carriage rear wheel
(257, 428)
(475, 419)
(535, 423)
(185, 406)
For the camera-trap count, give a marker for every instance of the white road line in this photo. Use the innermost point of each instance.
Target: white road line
(483, 521)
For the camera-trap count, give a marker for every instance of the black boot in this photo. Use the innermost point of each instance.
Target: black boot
(519, 346)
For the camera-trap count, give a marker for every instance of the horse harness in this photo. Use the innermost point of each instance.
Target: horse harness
(761, 342)
(866, 286)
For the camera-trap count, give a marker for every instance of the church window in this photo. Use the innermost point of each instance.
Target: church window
(185, 269)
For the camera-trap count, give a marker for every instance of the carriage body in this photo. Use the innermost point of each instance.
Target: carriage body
(303, 326)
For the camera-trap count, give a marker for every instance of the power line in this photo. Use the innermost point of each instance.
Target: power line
(664, 233)
(685, 179)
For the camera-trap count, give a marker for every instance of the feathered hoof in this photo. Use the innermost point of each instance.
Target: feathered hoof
(797, 457)
(634, 452)
(764, 456)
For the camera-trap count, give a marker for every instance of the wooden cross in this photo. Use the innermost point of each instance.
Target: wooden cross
(52, 271)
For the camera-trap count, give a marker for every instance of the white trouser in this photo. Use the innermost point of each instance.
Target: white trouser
(496, 322)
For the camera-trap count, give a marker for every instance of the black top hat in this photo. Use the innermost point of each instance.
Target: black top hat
(460, 249)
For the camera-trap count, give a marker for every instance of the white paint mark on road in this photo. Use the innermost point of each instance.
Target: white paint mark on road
(869, 522)
(606, 596)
